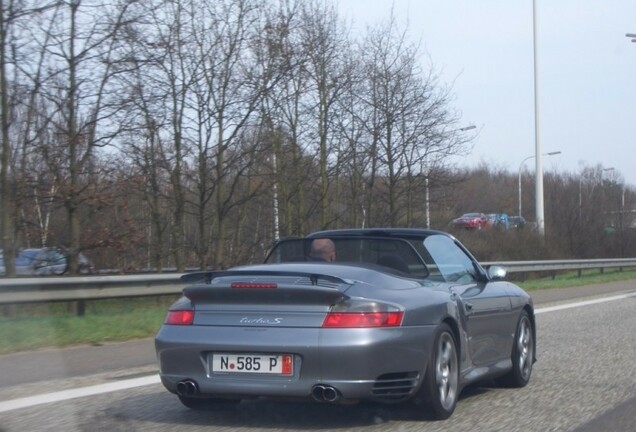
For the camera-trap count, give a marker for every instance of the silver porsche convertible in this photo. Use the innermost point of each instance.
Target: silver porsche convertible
(385, 315)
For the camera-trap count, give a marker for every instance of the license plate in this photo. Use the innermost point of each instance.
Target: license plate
(275, 364)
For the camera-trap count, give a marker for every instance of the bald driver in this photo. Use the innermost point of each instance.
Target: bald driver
(323, 249)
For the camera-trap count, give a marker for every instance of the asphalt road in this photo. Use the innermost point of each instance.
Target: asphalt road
(584, 381)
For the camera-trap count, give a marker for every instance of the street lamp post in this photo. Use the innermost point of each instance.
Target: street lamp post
(537, 140)
(428, 202)
(581, 189)
(521, 166)
(275, 202)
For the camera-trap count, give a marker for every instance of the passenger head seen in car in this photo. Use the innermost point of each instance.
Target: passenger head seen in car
(322, 249)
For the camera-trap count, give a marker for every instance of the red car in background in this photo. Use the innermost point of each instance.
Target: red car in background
(471, 221)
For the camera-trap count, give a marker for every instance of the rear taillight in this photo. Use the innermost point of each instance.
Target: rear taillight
(361, 313)
(363, 319)
(180, 317)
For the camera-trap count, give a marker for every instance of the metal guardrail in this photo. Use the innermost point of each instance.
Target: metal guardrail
(48, 289)
(64, 288)
(560, 265)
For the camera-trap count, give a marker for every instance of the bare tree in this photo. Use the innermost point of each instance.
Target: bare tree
(15, 17)
(234, 83)
(355, 160)
(186, 123)
(284, 114)
(409, 121)
(325, 43)
(79, 46)
(7, 220)
(162, 69)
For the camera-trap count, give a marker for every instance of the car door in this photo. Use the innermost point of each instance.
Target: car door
(486, 312)
(484, 306)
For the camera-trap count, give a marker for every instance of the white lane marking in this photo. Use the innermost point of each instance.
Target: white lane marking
(77, 393)
(154, 379)
(583, 303)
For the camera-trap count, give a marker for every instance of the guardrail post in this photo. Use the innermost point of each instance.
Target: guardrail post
(81, 308)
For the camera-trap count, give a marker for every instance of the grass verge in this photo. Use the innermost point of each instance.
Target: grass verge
(571, 279)
(29, 327)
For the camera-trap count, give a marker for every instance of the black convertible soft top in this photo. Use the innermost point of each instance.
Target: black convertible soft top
(403, 251)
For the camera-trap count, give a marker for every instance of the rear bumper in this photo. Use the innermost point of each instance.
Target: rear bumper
(372, 364)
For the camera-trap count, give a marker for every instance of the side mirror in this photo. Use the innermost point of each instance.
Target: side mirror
(496, 273)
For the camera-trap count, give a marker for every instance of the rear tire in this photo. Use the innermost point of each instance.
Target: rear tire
(522, 355)
(206, 404)
(440, 388)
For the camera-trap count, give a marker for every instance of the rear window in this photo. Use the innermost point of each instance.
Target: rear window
(392, 255)
(435, 257)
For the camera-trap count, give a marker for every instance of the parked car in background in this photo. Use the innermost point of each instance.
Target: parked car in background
(498, 220)
(44, 261)
(40, 262)
(517, 222)
(23, 263)
(471, 221)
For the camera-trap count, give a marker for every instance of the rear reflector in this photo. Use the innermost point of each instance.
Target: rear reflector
(180, 317)
(253, 285)
(287, 364)
(363, 319)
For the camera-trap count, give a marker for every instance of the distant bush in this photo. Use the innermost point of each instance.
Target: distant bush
(513, 245)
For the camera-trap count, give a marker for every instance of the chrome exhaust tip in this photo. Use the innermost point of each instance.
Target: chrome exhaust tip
(325, 393)
(330, 394)
(317, 393)
(187, 388)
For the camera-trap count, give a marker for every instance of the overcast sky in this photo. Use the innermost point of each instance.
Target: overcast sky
(586, 75)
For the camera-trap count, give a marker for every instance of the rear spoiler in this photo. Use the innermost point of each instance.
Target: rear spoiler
(291, 292)
(207, 276)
